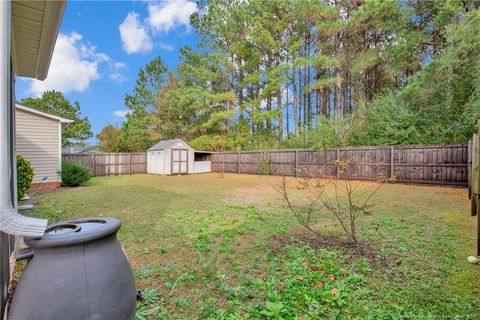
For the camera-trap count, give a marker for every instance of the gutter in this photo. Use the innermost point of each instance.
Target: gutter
(11, 222)
(52, 19)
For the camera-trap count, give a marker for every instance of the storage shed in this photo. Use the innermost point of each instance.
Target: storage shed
(170, 157)
(39, 140)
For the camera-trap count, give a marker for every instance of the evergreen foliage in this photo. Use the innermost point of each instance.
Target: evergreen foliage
(74, 174)
(276, 74)
(24, 176)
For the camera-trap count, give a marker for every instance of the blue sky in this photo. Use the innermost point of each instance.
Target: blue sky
(102, 45)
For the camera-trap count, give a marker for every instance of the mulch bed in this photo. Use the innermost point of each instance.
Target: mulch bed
(59, 189)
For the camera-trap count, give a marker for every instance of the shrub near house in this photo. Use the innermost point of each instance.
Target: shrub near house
(24, 176)
(74, 174)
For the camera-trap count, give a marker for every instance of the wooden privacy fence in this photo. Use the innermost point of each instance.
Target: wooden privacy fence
(474, 180)
(424, 164)
(106, 164)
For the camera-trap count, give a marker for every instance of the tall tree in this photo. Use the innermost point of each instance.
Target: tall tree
(109, 138)
(54, 102)
(150, 80)
(267, 69)
(137, 131)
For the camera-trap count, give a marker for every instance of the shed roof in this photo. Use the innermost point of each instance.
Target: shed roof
(43, 114)
(165, 144)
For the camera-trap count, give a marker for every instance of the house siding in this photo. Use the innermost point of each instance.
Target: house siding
(37, 139)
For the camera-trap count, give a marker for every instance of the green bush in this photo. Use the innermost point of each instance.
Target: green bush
(266, 164)
(74, 174)
(24, 176)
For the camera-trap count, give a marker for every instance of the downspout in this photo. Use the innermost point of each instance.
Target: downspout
(11, 222)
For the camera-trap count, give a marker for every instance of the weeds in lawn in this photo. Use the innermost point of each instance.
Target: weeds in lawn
(343, 204)
(143, 272)
(413, 267)
(304, 284)
(162, 249)
(150, 306)
(149, 296)
(187, 273)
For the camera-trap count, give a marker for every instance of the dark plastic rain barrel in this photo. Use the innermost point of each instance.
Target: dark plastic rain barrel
(78, 271)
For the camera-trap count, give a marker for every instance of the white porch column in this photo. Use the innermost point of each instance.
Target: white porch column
(10, 221)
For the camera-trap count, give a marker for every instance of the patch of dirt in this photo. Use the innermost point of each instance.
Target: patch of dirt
(255, 195)
(355, 251)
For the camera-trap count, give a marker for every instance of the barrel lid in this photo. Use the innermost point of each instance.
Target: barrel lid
(74, 231)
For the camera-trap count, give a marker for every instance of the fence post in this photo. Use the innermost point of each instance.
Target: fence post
(94, 167)
(130, 163)
(392, 161)
(476, 182)
(475, 174)
(469, 168)
(478, 223)
(239, 162)
(296, 163)
(337, 158)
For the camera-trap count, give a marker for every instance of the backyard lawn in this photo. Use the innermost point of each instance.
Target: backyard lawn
(206, 247)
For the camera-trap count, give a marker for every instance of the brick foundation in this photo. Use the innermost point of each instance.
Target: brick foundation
(44, 187)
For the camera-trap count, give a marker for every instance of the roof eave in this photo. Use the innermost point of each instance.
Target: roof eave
(51, 26)
(44, 114)
(34, 62)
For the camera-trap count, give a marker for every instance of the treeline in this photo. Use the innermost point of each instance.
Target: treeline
(275, 74)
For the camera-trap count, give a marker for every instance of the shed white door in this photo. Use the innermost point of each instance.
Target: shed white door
(179, 161)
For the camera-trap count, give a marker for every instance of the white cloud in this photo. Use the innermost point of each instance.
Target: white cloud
(170, 14)
(117, 72)
(134, 36)
(117, 77)
(121, 113)
(165, 46)
(120, 65)
(73, 66)
(90, 51)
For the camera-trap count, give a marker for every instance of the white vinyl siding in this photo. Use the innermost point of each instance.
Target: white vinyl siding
(38, 140)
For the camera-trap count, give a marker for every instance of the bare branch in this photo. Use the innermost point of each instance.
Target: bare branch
(342, 205)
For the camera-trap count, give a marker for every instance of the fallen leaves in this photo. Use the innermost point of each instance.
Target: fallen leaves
(335, 292)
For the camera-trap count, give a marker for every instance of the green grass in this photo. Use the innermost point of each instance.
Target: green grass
(201, 247)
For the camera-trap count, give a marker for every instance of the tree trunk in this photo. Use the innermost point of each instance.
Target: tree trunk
(228, 101)
(268, 121)
(280, 116)
(295, 103)
(300, 100)
(287, 115)
(240, 95)
(338, 95)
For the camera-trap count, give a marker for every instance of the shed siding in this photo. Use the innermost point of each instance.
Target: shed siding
(168, 161)
(191, 161)
(155, 162)
(159, 156)
(37, 139)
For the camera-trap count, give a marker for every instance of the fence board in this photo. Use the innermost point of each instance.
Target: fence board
(474, 179)
(106, 164)
(422, 164)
